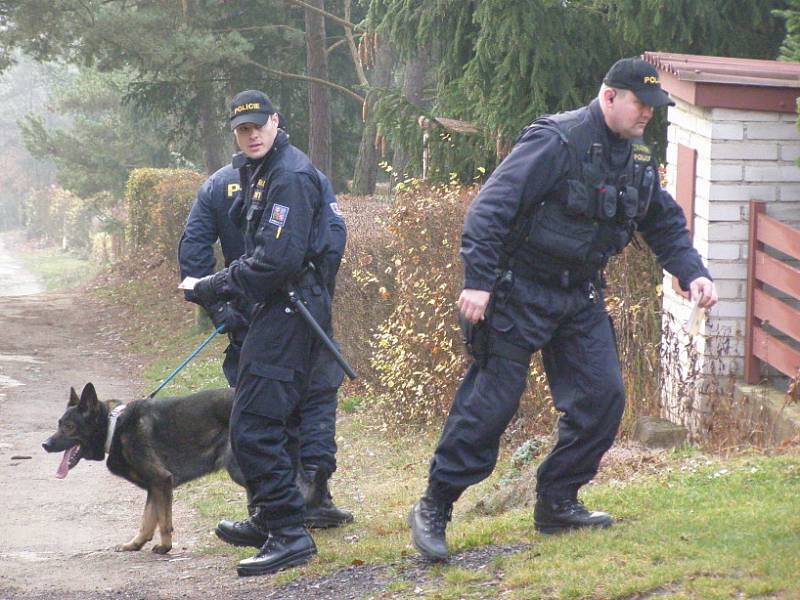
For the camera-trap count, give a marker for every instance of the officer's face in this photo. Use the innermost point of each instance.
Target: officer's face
(627, 116)
(256, 141)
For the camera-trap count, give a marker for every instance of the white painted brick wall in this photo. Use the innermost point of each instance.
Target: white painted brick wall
(741, 156)
(727, 114)
(771, 131)
(743, 192)
(790, 152)
(775, 172)
(745, 150)
(727, 211)
(725, 172)
(722, 251)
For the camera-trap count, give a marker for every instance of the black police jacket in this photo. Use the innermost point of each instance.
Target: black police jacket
(526, 215)
(209, 221)
(282, 215)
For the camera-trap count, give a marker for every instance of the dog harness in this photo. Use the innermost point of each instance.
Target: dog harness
(112, 424)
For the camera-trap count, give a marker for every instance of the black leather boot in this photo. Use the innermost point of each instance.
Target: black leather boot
(285, 547)
(321, 512)
(247, 532)
(564, 514)
(428, 521)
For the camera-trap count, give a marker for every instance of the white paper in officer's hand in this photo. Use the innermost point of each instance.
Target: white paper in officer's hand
(692, 326)
(188, 283)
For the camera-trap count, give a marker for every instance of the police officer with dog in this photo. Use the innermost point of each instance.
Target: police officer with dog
(281, 212)
(314, 453)
(571, 194)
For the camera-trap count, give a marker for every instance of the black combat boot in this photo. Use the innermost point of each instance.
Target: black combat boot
(563, 514)
(247, 532)
(321, 512)
(428, 520)
(285, 547)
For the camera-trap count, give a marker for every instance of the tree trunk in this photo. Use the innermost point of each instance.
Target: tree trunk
(209, 131)
(416, 72)
(366, 169)
(319, 109)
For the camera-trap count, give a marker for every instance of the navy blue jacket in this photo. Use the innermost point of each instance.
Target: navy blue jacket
(292, 224)
(534, 170)
(209, 221)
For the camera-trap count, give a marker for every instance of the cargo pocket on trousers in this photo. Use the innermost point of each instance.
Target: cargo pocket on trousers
(268, 391)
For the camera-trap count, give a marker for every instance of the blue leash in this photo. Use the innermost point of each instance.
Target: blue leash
(188, 359)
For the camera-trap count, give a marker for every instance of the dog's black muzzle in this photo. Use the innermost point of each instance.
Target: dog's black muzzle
(58, 443)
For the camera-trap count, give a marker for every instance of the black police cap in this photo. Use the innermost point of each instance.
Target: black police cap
(641, 78)
(250, 106)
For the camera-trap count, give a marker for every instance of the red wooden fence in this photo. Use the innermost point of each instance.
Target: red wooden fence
(763, 307)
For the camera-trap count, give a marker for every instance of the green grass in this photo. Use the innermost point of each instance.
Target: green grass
(700, 527)
(57, 269)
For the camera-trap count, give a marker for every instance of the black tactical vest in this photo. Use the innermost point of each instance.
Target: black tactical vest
(594, 213)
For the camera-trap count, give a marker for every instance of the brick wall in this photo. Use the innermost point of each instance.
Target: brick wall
(741, 155)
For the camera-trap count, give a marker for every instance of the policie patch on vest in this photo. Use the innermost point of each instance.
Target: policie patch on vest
(335, 208)
(279, 214)
(641, 153)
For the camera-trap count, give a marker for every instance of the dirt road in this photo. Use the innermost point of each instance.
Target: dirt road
(57, 536)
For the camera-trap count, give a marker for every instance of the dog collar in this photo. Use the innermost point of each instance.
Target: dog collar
(112, 424)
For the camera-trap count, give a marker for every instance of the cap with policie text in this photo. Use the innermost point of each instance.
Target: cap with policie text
(641, 78)
(250, 106)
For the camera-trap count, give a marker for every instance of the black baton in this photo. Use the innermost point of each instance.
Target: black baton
(298, 305)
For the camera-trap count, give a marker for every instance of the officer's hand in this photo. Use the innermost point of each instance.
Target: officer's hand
(204, 291)
(230, 317)
(704, 292)
(472, 304)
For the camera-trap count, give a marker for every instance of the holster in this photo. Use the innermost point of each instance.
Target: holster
(476, 338)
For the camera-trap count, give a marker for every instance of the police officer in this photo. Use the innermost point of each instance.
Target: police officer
(315, 451)
(536, 240)
(208, 221)
(281, 213)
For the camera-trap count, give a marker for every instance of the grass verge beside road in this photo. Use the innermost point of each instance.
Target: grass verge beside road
(698, 526)
(57, 269)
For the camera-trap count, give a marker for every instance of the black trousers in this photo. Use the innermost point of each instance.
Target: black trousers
(312, 428)
(274, 377)
(577, 340)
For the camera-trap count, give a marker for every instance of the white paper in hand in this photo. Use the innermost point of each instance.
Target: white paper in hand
(188, 283)
(697, 316)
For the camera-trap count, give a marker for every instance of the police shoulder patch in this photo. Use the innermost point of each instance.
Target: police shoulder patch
(278, 215)
(335, 208)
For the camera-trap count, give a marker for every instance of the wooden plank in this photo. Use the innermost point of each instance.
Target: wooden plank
(776, 353)
(751, 370)
(686, 174)
(778, 274)
(779, 235)
(780, 315)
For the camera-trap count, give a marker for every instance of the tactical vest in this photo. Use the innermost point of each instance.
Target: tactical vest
(593, 214)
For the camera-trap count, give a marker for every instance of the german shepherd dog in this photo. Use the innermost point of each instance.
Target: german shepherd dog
(156, 444)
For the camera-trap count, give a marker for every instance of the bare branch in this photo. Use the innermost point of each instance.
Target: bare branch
(362, 78)
(343, 22)
(335, 86)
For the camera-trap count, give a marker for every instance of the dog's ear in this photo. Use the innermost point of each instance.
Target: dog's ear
(88, 401)
(73, 398)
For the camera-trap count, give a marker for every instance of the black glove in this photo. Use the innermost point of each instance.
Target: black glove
(204, 291)
(230, 317)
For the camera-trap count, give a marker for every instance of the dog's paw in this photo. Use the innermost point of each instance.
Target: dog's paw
(128, 547)
(161, 549)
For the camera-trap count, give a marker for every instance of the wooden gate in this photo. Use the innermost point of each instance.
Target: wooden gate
(763, 305)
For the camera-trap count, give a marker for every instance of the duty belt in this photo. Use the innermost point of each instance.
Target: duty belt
(563, 278)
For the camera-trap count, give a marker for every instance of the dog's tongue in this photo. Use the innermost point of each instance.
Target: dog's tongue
(63, 468)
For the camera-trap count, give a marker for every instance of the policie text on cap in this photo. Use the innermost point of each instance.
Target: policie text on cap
(250, 106)
(641, 78)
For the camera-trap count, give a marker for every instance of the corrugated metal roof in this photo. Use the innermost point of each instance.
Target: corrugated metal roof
(726, 70)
